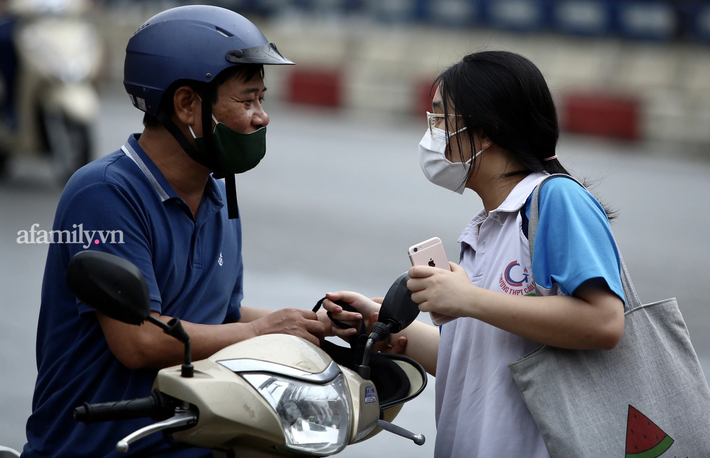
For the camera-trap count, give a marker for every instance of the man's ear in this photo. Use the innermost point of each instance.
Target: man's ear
(188, 108)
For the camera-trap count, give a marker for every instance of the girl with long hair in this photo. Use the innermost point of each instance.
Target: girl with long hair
(494, 130)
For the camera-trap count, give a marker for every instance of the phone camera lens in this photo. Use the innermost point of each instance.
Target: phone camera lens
(416, 249)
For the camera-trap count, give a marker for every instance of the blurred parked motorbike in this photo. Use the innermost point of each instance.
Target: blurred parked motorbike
(50, 98)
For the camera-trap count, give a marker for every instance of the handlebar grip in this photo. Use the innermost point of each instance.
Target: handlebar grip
(155, 406)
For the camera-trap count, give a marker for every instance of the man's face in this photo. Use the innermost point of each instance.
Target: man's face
(239, 104)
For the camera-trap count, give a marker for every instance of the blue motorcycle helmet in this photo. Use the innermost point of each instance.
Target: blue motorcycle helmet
(192, 43)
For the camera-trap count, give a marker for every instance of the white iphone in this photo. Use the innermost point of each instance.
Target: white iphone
(429, 253)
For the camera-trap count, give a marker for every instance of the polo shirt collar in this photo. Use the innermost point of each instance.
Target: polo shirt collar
(161, 185)
(517, 197)
(156, 178)
(513, 203)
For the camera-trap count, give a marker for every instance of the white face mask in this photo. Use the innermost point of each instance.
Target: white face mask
(436, 167)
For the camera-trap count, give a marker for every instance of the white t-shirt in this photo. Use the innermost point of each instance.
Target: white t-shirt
(479, 410)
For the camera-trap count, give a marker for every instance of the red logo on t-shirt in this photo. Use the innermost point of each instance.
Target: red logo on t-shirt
(516, 280)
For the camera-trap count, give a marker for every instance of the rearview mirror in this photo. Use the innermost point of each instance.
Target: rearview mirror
(110, 285)
(398, 308)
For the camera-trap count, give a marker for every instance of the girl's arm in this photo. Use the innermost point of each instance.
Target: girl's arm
(592, 318)
(422, 344)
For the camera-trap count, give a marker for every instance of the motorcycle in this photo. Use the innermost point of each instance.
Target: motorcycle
(54, 103)
(272, 395)
(7, 452)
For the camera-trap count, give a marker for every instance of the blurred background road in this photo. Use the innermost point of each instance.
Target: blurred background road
(340, 195)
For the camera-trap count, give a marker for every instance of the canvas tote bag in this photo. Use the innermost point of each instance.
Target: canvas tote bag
(645, 398)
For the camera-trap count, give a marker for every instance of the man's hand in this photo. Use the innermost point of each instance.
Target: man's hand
(299, 323)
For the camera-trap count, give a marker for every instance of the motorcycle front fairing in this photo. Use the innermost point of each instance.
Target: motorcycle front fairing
(277, 393)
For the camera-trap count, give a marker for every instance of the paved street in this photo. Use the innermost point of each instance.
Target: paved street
(336, 203)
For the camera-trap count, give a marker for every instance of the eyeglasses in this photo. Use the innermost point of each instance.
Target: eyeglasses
(433, 118)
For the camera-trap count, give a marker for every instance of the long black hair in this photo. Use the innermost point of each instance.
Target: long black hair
(504, 97)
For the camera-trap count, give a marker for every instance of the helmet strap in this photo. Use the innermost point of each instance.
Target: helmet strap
(207, 126)
(177, 134)
(206, 160)
(230, 179)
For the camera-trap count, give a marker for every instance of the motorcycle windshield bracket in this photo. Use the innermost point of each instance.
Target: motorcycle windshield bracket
(176, 421)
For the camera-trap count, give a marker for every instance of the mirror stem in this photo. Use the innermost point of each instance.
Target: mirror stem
(363, 370)
(164, 326)
(174, 328)
(187, 370)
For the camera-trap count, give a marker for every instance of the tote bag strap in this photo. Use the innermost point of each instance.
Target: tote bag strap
(632, 299)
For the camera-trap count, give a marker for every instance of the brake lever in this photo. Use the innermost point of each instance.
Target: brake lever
(181, 418)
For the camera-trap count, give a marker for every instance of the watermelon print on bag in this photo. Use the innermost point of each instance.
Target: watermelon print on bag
(643, 438)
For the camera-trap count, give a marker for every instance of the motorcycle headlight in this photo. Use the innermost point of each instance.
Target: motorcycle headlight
(315, 416)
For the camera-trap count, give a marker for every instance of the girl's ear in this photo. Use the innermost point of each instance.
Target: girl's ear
(481, 141)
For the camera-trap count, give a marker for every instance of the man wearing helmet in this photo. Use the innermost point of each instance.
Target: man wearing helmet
(186, 68)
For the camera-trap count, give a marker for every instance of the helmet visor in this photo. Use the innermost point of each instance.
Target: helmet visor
(264, 55)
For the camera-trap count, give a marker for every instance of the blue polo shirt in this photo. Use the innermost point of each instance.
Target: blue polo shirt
(122, 204)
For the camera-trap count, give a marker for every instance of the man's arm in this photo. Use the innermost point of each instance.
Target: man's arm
(146, 346)
(250, 314)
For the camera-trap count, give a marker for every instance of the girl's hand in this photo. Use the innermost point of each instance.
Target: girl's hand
(331, 329)
(369, 310)
(440, 291)
(366, 307)
(350, 318)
